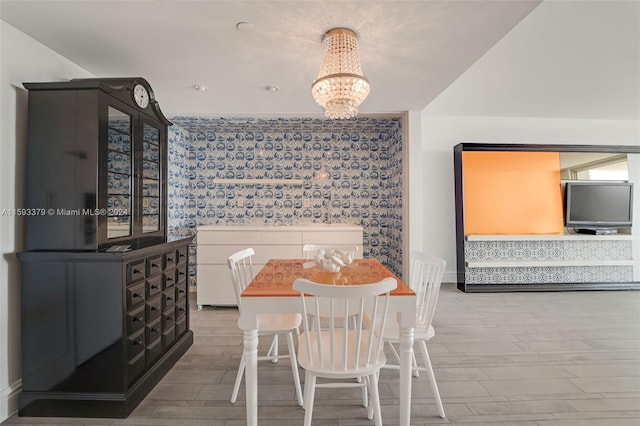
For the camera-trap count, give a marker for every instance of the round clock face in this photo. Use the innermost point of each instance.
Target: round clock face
(140, 95)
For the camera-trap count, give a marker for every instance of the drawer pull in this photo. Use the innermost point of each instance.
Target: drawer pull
(169, 318)
(134, 295)
(180, 290)
(180, 273)
(138, 319)
(154, 265)
(153, 308)
(169, 259)
(169, 279)
(181, 255)
(155, 330)
(154, 287)
(137, 271)
(137, 343)
(181, 309)
(169, 299)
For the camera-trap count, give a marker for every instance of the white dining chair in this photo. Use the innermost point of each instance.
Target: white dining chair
(335, 352)
(241, 267)
(309, 250)
(426, 273)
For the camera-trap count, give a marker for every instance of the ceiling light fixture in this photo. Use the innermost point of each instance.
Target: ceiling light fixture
(200, 87)
(340, 87)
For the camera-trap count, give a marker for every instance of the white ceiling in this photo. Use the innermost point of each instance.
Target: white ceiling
(410, 50)
(567, 59)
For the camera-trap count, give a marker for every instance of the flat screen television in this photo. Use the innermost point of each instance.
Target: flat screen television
(591, 206)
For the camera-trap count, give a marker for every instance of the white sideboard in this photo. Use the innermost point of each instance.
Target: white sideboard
(216, 243)
(542, 260)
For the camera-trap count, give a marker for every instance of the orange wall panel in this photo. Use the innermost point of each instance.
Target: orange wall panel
(512, 193)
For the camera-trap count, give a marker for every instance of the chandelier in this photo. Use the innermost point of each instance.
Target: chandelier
(340, 86)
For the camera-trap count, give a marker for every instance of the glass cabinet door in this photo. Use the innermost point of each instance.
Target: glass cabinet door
(150, 178)
(119, 173)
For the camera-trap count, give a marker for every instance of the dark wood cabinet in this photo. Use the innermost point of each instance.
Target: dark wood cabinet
(96, 166)
(104, 295)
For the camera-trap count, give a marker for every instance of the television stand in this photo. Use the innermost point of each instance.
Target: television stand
(597, 231)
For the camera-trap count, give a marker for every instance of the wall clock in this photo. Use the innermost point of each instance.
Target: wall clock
(140, 95)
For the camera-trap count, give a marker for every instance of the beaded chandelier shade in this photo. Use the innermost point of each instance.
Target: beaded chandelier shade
(340, 87)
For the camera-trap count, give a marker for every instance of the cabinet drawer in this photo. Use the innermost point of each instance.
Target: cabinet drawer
(168, 279)
(135, 320)
(153, 286)
(181, 309)
(135, 344)
(181, 327)
(168, 319)
(181, 255)
(280, 237)
(170, 259)
(168, 298)
(135, 366)
(245, 238)
(135, 295)
(168, 337)
(154, 265)
(135, 271)
(153, 308)
(181, 273)
(153, 332)
(218, 255)
(326, 237)
(181, 291)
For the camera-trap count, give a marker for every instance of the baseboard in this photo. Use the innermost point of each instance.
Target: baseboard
(449, 277)
(9, 400)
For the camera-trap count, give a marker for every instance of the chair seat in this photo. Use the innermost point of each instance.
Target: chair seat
(271, 323)
(338, 370)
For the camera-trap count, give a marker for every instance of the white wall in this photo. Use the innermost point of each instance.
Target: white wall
(567, 74)
(441, 133)
(22, 59)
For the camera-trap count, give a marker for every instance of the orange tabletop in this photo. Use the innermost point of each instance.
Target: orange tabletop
(276, 278)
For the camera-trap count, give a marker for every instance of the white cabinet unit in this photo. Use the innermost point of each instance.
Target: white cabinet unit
(216, 243)
(541, 262)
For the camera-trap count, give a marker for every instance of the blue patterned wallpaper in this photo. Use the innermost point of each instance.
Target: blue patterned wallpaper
(325, 170)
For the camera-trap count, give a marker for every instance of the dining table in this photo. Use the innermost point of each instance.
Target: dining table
(271, 291)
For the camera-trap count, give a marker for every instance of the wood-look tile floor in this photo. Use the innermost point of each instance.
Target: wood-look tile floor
(524, 359)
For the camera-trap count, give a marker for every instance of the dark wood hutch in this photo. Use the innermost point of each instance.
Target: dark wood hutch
(104, 289)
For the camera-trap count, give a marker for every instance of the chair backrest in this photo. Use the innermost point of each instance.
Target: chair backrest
(332, 346)
(425, 279)
(241, 267)
(309, 250)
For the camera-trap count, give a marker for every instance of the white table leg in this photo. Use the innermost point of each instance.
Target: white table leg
(251, 375)
(406, 353)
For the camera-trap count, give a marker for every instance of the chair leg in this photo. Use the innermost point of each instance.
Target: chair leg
(395, 353)
(415, 364)
(273, 349)
(375, 399)
(365, 392)
(236, 386)
(294, 367)
(432, 377)
(309, 396)
(306, 390)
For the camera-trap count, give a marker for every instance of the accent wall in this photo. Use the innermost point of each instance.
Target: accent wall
(314, 170)
(512, 193)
